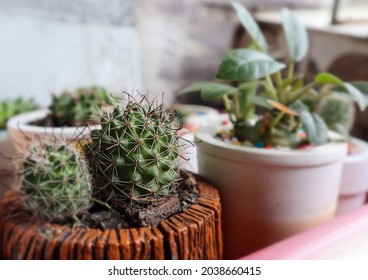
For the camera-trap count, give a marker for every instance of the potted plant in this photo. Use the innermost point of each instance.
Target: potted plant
(277, 173)
(67, 117)
(8, 109)
(121, 195)
(338, 113)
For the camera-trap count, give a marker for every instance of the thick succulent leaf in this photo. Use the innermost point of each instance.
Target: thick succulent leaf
(327, 78)
(261, 101)
(361, 85)
(353, 92)
(356, 95)
(209, 90)
(296, 35)
(251, 26)
(247, 65)
(314, 127)
(299, 107)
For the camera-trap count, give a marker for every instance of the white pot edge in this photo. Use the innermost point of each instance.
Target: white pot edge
(21, 122)
(324, 154)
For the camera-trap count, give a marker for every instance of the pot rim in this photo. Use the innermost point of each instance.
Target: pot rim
(362, 154)
(318, 155)
(21, 122)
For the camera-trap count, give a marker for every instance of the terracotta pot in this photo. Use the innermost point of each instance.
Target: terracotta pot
(354, 183)
(23, 132)
(193, 234)
(268, 195)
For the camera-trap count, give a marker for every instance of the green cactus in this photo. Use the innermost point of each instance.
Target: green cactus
(74, 109)
(9, 108)
(135, 155)
(55, 182)
(338, 113)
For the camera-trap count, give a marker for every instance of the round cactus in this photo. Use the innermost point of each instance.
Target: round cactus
(55, 182)
(73, 109)
(135, 155)
(337, 111)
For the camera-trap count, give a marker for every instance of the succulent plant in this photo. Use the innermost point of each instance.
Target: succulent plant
(256, 80)
(55, 182)
(9, 108)
(135, 155)
(338, 114)
(76, 108)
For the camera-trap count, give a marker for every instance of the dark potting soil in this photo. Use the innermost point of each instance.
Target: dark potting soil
(142, 214)
(50, 121)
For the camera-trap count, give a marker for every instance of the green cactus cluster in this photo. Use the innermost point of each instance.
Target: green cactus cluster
(56, 184)
(10, 108)
(338, 113)
(135, 155)
(76, 108)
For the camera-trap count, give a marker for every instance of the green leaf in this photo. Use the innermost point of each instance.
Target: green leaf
(353, 92)
(247, 65)
(314, 127)
(296, 35)
(261, 101)
(250, 26)
(356, 95)
(327, 78)
(361, 85)
(209, 90)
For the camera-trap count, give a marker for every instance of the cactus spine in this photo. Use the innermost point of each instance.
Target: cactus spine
(55, 182)
(135, 155)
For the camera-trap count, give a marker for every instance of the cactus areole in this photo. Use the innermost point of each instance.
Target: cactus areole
(135, 154)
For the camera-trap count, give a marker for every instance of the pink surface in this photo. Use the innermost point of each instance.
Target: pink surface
(320, 242)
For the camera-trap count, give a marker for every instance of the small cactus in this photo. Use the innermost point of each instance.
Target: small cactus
(10, 108)
(338, 113)
(55, 182)
(135, 155)
(74, 109)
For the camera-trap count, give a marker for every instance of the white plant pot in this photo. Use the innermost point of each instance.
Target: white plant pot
(23, 133)
(354, 183)
(200, 115)
(268, 195)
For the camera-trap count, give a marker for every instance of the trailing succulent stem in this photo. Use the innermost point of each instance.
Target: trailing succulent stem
(135, 154)
(76, 108)
(55, 182)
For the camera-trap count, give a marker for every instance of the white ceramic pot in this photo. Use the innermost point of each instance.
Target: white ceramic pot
(268, 195)
(354, 181)
(23, 132)
(199, 116)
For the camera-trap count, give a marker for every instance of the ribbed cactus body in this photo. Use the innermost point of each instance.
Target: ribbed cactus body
(55, 182)
(135, 154)
(337, 111)
(73, 109)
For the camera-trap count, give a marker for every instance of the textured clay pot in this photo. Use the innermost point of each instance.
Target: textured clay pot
(23, 132)
(193, 234)
(354, 183)
(268, 195)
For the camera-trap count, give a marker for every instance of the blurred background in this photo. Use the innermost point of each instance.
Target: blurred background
(156, 46)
